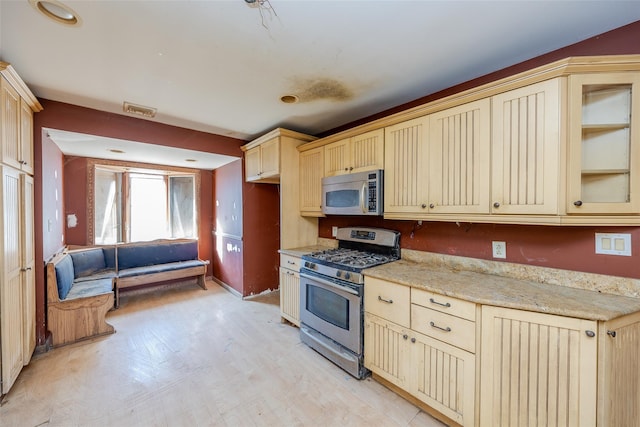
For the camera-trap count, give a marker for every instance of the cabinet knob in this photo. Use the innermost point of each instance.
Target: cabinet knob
(413, 340)
(431, 206)
(577, 203)
(351, 168)
(405, 336)
(496, 205)
(423, 206)
(346, 169)
(612, 334)
(590, 334)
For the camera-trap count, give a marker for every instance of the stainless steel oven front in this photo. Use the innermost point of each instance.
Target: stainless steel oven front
(331, 320)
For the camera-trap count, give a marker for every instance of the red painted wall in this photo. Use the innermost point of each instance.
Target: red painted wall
(72, 191)
(247, 231)
(571, 248)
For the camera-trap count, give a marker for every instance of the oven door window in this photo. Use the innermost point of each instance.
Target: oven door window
(329, 306)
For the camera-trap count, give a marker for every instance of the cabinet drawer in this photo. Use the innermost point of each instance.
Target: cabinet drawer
(387, 300)
(444, 304)
(450, 329)
(291, 262)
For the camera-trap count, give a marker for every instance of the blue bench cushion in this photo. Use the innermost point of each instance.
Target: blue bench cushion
(152, 254)
(87, 262)
(64, 276)
(90, 288)
(160, 268)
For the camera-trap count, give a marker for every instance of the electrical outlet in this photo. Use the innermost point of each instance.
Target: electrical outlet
(334, 231)
(613, 244)
(499, 249)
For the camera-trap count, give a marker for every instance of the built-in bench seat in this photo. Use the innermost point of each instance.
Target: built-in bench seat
(158, 261)
(84, 284)
(80, 292)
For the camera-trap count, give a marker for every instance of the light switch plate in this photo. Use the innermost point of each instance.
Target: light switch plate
(499, 249)
(613, 244)
(334, 231)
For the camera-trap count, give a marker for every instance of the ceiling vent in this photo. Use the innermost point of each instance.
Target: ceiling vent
(139, 109)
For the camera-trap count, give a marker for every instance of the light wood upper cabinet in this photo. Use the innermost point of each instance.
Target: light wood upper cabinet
(262, 163)
(405, 167)
(537, 369)
(26, 137)
(459, 147)
(311, 173)
(10, 131)
(527, 149)
(356, 154)
(604, 145)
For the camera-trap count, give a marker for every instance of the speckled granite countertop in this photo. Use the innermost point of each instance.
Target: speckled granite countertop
(304, 250)
(506, 292)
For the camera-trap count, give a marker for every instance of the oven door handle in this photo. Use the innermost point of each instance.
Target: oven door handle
(330, 284)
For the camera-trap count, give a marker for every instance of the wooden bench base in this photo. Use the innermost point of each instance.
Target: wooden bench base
(78, 319)
(145, 279)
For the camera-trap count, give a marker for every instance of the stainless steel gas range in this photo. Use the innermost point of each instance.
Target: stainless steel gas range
(332, 294)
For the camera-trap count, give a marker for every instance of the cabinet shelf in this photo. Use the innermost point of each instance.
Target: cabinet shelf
(605, 171)
(603, 127)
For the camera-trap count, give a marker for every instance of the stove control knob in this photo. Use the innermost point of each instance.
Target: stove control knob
(338, 273)
(347, 276)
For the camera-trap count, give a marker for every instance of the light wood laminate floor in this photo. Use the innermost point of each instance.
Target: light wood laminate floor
(183, 356)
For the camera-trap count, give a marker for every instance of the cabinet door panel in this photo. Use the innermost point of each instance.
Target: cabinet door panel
(537, 369)
(28, 267)
(11, 289)
(26, 137)
(385, 349)
(10, 129)
(252, 167)
(367, 151)
(603, 144)
(270, 158)
(459, 148)
(405, 167)
(311, 173)
(336, 158)
(290, 295)
(526, 172)
(445, 378)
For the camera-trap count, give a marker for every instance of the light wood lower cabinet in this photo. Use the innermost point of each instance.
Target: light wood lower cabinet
(290, 288)
(438, 374)
(421, 359)
(537, 369)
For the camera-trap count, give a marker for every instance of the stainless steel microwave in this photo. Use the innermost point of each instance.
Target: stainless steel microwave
(357, 193)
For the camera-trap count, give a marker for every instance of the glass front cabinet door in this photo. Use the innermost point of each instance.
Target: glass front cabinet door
(604, 145)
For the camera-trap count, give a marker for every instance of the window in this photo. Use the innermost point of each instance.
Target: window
(138, 204)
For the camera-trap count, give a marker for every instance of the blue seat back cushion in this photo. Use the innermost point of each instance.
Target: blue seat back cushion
(152, 254)
(64, 276)
(109, 257)
(87, 262)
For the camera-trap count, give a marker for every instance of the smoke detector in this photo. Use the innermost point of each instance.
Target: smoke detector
(140, 110)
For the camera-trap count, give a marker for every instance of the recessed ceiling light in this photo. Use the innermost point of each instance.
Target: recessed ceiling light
(289, 99)
(56, 11)
(190, 160)
(114, 150)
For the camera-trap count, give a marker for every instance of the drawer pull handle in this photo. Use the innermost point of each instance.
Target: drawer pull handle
(290, 262)
(432, 301)
(388, 301)
(433, 325)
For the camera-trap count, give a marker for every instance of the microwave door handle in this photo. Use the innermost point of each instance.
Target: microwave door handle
(363, 194)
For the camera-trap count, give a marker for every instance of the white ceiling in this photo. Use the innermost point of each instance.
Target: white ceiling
(222, 66)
